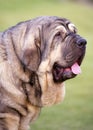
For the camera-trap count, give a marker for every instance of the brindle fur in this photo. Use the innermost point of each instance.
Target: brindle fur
(27, 54)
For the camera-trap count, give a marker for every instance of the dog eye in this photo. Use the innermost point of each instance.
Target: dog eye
(58, 34)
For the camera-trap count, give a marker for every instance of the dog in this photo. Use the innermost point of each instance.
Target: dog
(36, 57)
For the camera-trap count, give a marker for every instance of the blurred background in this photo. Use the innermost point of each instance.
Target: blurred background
(76, 112)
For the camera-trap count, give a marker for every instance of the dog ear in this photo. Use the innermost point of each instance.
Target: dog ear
(12, 58)
(31, 49)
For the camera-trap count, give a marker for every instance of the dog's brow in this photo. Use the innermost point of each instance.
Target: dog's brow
(61, 27)
(72, 27)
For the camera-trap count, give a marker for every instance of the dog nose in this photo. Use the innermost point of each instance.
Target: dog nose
(81, 42)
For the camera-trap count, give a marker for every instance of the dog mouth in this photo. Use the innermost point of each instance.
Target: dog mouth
(61, 74)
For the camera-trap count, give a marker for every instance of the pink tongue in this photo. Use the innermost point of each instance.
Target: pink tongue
(76, 68)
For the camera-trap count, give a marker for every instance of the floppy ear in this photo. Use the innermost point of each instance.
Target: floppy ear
(31, 49)
(12, 58)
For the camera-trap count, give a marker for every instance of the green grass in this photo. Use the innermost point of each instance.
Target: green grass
(76, 112)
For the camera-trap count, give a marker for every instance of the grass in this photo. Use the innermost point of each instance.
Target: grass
(76, 112)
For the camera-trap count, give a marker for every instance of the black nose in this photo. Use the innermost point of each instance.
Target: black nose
(81, 42)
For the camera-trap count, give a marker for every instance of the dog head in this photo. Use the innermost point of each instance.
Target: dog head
(65, 49)
(52, 49)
